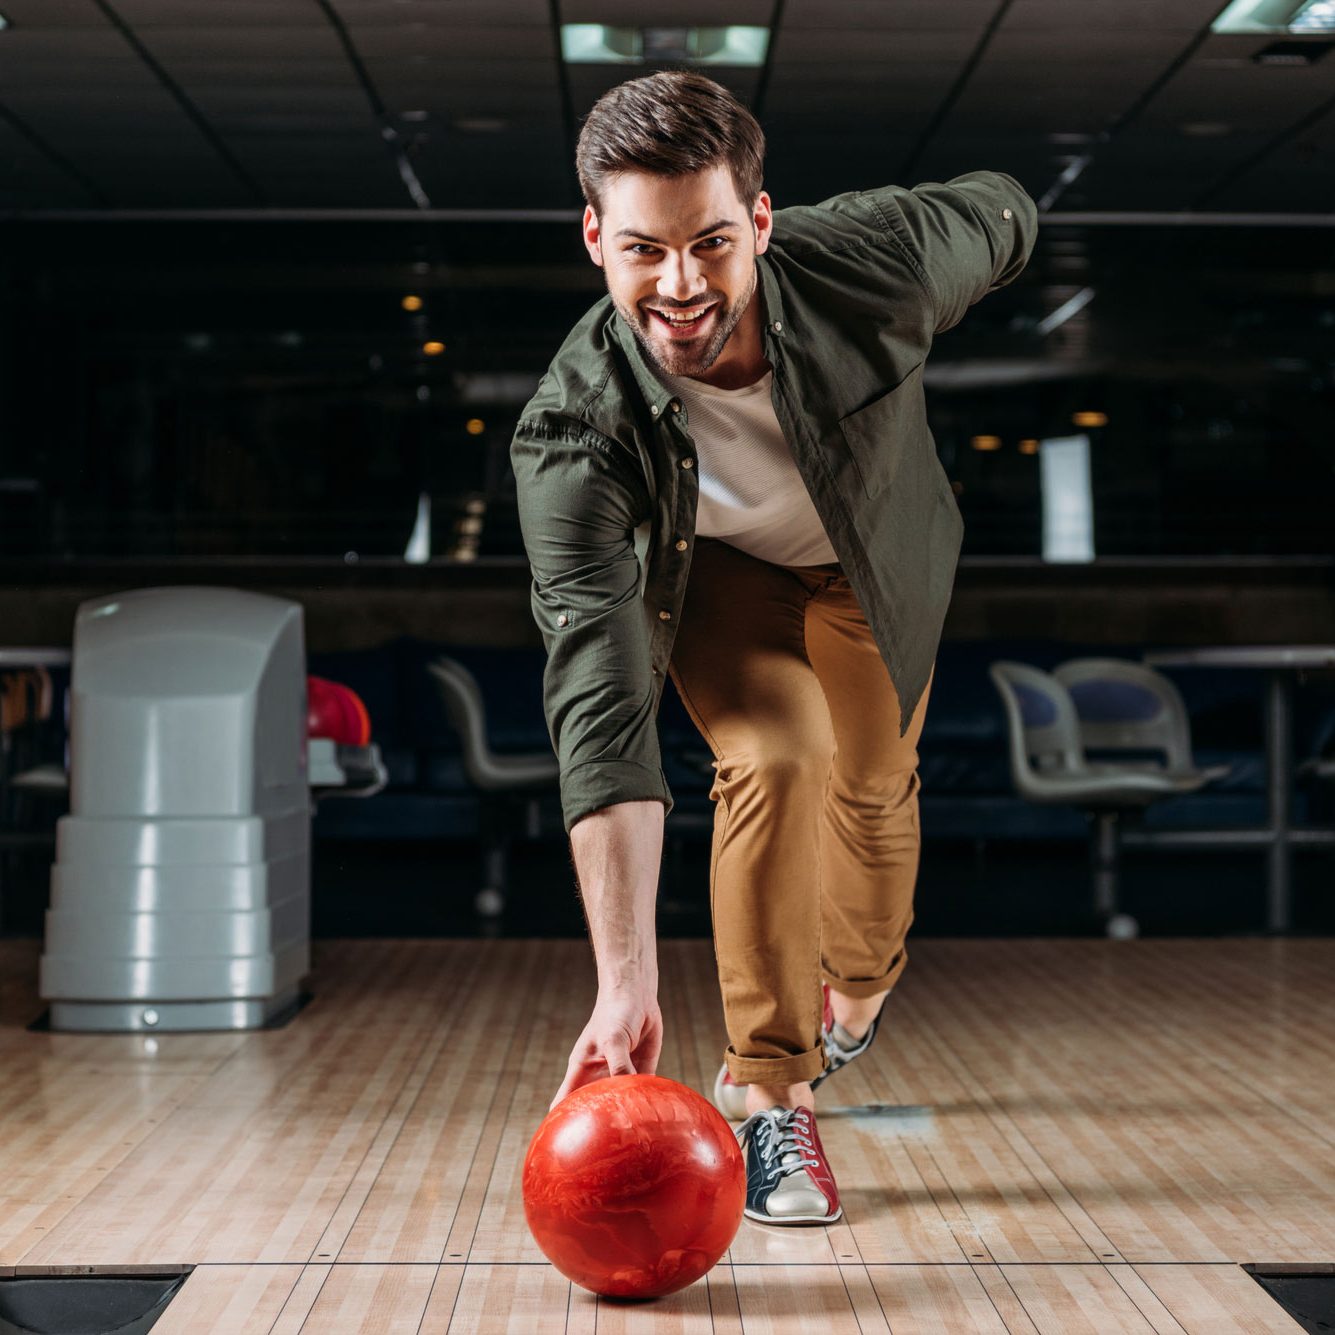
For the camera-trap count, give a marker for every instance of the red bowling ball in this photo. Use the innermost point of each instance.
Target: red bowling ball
(634, 1186)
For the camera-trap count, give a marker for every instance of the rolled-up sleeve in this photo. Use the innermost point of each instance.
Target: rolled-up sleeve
(970, 236)
(580, 500)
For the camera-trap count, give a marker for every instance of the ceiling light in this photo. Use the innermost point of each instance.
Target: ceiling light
(986, 443)
(475, 426)
(1280, 16)
(1090, 419)
(411, 303)
(598, 44)
(433, 348)
(1029, 447)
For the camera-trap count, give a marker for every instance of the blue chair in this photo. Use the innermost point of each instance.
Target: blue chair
(1047, 744)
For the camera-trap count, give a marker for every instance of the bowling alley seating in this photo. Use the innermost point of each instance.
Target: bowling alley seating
(503, 782)
(1063, 725)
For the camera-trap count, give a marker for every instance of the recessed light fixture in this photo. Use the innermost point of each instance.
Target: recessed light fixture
(1028, 447)
(599, 44)
(985, 443)
(411, 303)
(475, 426)
(1279, 16)
(433, 348)
(1089, 419)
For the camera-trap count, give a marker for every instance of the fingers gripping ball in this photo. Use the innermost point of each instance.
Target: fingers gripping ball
(634, 1186)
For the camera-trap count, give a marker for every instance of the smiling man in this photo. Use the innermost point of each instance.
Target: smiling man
(726, 475)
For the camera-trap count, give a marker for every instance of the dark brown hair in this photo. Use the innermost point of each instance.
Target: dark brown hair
(672, 123)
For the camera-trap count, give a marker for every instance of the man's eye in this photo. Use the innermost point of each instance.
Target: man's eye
(640, 248)
(714, 242)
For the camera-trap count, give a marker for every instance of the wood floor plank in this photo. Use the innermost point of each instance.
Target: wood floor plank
(1217, 1300)
(1075, 1300)
(99, 1098)
(503, 1300)
(930, 1299)
(301, 1300)
(1172, 1160)
(490, 1226)
(253, 1166)
(371, 1300)
(229, 1300)
(418, 1184)
(794, 1300)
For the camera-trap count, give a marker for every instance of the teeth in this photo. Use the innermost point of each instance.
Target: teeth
(682, 317)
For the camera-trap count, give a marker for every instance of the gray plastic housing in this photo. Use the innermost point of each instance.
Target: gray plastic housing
(180, 894)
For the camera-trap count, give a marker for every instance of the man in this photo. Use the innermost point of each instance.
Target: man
(726, 474)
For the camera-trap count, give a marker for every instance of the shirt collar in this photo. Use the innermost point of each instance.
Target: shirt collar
(656, 394)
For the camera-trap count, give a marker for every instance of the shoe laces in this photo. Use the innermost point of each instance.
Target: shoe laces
(784, 1138)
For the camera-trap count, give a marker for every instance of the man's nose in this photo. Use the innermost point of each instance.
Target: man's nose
(681, 278)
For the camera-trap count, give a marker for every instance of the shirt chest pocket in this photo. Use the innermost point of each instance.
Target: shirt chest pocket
(886, 433)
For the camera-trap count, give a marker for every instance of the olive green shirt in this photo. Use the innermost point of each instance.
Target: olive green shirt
(853, 291)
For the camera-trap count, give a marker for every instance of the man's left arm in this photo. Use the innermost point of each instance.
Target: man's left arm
(968, 236)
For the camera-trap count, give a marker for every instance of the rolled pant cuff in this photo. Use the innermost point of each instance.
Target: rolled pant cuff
(868, 987)
(794, 1070)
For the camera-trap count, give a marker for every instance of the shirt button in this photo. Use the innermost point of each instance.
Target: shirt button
(665, 616)
(675, 405)
(653, 409)
(1007, 214)
(681, 544)
(777, 326)
(563, 620)
(688, 463)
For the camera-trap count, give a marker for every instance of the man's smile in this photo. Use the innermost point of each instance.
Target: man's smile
(684, 323)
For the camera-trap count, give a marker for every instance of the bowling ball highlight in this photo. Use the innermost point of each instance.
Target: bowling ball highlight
(634, 1186)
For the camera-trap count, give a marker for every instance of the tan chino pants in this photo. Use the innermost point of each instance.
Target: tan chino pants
(816, 834)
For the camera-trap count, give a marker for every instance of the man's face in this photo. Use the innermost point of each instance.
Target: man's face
(678, 253)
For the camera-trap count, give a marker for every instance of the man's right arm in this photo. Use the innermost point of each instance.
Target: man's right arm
(579, 503)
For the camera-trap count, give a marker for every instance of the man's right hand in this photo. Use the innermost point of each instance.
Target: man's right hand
(624, 1036)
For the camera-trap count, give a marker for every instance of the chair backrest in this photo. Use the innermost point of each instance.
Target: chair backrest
(1126, 706)
(467, 714)
(1042, 728)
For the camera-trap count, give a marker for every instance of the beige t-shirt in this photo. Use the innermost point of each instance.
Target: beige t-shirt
(751, 494)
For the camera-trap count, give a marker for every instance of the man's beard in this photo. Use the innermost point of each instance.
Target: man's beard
(696, 357)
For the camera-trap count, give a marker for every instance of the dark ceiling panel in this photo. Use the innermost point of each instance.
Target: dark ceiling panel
(30, 14)
(143, 15)
(1147, 169)
(888, 49)
(438, 41)
(396, 13)
(855, 16)
(667, 13)
(29, 178)
(1175, 16)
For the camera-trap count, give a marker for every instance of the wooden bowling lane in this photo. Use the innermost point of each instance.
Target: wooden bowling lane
(256, 1163)
(1048, 1137)
(1117, 1085)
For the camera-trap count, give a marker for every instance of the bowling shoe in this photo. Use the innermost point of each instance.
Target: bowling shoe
(788, 1180)
(840, 1049)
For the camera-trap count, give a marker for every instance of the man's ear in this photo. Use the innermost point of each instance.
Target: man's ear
(762, 219)
(593, 236)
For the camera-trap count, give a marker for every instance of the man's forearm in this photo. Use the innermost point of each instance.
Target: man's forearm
(618, 852)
